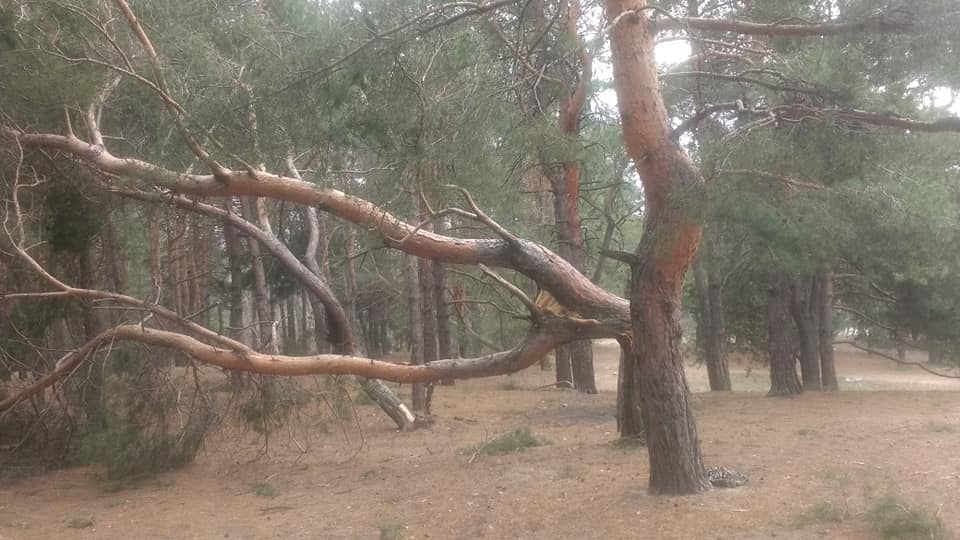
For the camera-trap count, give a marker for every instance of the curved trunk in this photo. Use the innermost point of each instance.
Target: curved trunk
(783, 363)
(674, 197)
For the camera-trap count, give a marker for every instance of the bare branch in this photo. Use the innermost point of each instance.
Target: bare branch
(176, 111)
(895, 359)
(514, 290)
(788, 182)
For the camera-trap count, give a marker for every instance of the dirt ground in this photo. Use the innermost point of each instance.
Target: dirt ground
(899, 434)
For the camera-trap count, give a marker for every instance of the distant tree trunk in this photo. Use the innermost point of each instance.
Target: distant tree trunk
(825, 308)
(418, 399)
(712, 318)
(444, 342)
(629, 411)
(266, 339)
(783, 362)
(350, 279)
(113, 250)
(564, 372)
(805, 315)
(94, 381)
(234, 250)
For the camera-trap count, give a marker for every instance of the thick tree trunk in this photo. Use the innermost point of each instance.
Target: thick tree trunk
(808, 328)
(783, 362)
(676, 466)
(825, 311)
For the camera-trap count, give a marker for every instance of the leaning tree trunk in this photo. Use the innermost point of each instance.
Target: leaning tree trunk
(783, 362)
(825, 311)
(808, 328)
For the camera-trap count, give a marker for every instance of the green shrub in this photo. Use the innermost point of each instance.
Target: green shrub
(514, 441)
(893, 519)
(272, 403)
(139, 425)
(264, 489)
(941, 427)
(821, 512)
(80, 522)
(392, 531)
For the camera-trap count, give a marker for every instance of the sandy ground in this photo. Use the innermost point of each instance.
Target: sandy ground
(367, 480)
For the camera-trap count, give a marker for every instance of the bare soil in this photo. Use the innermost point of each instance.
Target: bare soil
(365, 480)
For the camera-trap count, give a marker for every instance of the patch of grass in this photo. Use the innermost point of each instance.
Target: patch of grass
(362, 399)
(264, 489)
(373, 474)
(80, 522)
(941, 427)
(805, 432)
(893, 519)
(510, 385)
(629, 442)
(514, 441)
(821, 512)
(392, 531)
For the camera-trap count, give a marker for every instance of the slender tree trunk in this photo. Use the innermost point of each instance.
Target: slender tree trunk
(783, 362)
(825, 308)
(236, 331)
(418, 399)
(350, 278)
(266, 338)
(808, 328)
(444, 341)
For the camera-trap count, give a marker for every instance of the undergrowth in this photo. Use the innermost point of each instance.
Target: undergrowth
(515, 441)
